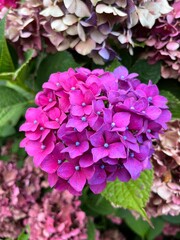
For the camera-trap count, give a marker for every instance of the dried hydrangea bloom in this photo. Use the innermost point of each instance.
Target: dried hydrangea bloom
(23, 27)
(164, 43)
(19, 190)
(85, 26)
(53, 216)
(58, 216)
(91, 127)
(165, 197)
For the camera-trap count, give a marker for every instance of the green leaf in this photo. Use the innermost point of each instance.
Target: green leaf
(113, 65)
(53, 63)
(6, 63)
(147, 71)
(7, 131)
(6, 76)
(91, 230)
(172, 219)
(23, 236)
(132, 195)
(138, 226)
(142, 228)
(22, 72)
(173, 103)
(156, 231)
(12, 105)
(97, 205)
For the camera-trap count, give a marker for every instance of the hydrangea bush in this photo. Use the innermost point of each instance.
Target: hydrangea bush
(91, 127)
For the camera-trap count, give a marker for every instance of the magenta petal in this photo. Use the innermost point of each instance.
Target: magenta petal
(86, 160)
(164, 118)
(117, 150)
(49, 164)
(123, 175)
(77, 110)
(159, 101)
(121, 72)
(27, 126)
(52, 179)
(88, 172)
(97, 139)
(52, 125)
(136, 122)
(96, 189)
(66, 170)
(33, 135)
(78, 180)
(144, 152)
(76, 97)
(134, 167)
(54, 113)
(99, 153)
(153, 112)
(98, 177)
(121, 119)
(141, 104)
(75, 151)
(152, 90)
(87, 110)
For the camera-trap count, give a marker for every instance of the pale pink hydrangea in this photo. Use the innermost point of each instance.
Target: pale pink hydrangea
(163, 42)
(165, 192)
(85, 26)
(91, 127)
(19, 190)
(46, 216)
(57, 217)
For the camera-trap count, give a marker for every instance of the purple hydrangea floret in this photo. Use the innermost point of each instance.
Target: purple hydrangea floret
(91, 127)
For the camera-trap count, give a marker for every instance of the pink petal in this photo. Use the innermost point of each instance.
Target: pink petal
(66, 170)
(78, 180)
(117, 150)
(99, 153)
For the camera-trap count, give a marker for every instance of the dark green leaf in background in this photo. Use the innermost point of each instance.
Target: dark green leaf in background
(12, 105)
(91, 230)
(6, 63)
(116, 63)
(142, 228)
(173, 103)
(53, 63)
(22, 72)
(147, 71)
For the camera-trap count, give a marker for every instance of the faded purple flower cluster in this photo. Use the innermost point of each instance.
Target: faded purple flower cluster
(86, 26)
(164, 43)
(91, 127)
(19, 190)
(165, 191)
(51, 216)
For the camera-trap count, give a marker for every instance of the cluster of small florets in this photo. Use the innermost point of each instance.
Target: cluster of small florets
(52, 215)
(165, 197)
(91, 127)
(164, 43)
(86, 26)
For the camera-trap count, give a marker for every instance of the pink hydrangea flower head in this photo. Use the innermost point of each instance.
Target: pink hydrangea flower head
(165, 198)
(91, 127)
